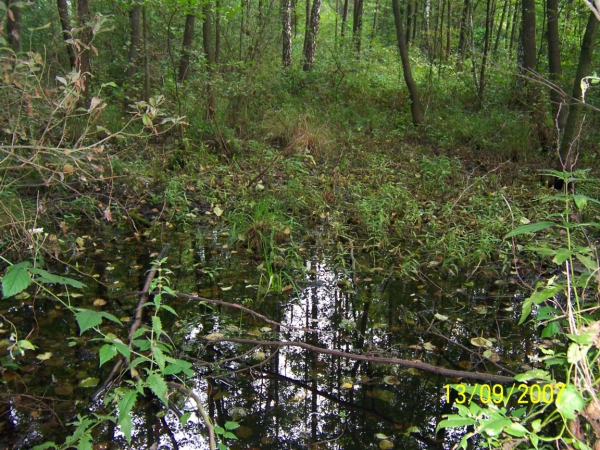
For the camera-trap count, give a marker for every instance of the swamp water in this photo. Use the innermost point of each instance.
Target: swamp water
(284, 397)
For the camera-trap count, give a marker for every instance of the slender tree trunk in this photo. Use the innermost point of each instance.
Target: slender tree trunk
(448, 30)
(310, 45)
(375, 18)
(65, 23)
(415, 103)
(500, 26)
(218, 32)
(462, 36)
(345, 17)
(286, 19)
(146, 55)
(135, 22)
(554, 66)
(409, 14)
(415, 18)
(209, 51)
(357, 23)
(186, 46)
(13, 25)
(486, 46)
(85, 68)
(513, 29)
(568, 156)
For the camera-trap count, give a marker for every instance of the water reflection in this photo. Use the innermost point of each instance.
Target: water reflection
(282, 397)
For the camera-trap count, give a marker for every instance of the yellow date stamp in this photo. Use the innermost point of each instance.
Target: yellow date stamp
(524, 394)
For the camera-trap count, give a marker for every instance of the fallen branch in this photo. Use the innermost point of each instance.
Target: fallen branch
(246, 310)
(399, 362)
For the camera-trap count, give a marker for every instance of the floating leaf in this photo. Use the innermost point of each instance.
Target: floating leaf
(214, 336)
(386, 445)
(381, 436)
(347, 385)
(89, 382)
(440, 317)
(390, 379)
(218, 211)
(481, 342)
(44, 356)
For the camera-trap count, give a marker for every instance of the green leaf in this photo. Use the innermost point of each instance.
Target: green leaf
(157, 384)
(142, 344)
(536, 298)
(171, 310)
(495, 424)
(455, 421)
(516, 429)
(47, 277)
(562, 254)
(588, 262)
(185, 417)
(126, 404)
(221, 446)
(530, 228)
(25, 345)
(159, 357)
(45, 445)
(157, 326)
(229, 435)
(219, 430)
(16, 279)
(231, 425)
(569, 401)
(107, 352)
(122, 348)
(86, 319)
(110, 317)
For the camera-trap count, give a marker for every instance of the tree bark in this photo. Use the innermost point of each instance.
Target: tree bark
(135, 22)
(500, 26)
(409, 14)
(186, 45)
(310, 46)
(85, 39)
(65, 23)
(13, 25)
(415, 105)
(345, 17)
(462, 36)
(286, 19)
(568, 156)
(357, 23)
(486, 46)
(209, 51)
(554, 67)
(528, 35)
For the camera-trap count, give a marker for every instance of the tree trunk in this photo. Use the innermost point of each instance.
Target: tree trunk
(65, 23)
(13, 25)
(286, 19)
(209, 51)
(345, 17)
(554, 66)
(135, 22)
(568, 156)
(218, 32)
(486, 46)
(146, 55)
(310, 46)
(415, 105)
(357, 23)
(375, 19)
(188, 37)
(409, 14)
(85, 38)
(448, 30)
(462, 36)
(500, 26)
(513, 28)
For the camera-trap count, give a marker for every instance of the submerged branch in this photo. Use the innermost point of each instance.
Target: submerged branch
(397, 361)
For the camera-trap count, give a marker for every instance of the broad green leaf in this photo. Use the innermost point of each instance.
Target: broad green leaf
(126, 426)
(230, 425)
(157, 385)
(45, 445)
(25, 345)
(495, 424)
(48, 277)
(185, 417)
(229, 435)
(561, 255)
(588, 262)
(122, 348)
(455, 421)
(530, 228)
(110, 317)
(516, 429)
(569, 401)
(16, 279)
(86, 319)
(159, 357)
(107, 352)
(536, 298)
(142, 344)
(534, 374)
(168, 308)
